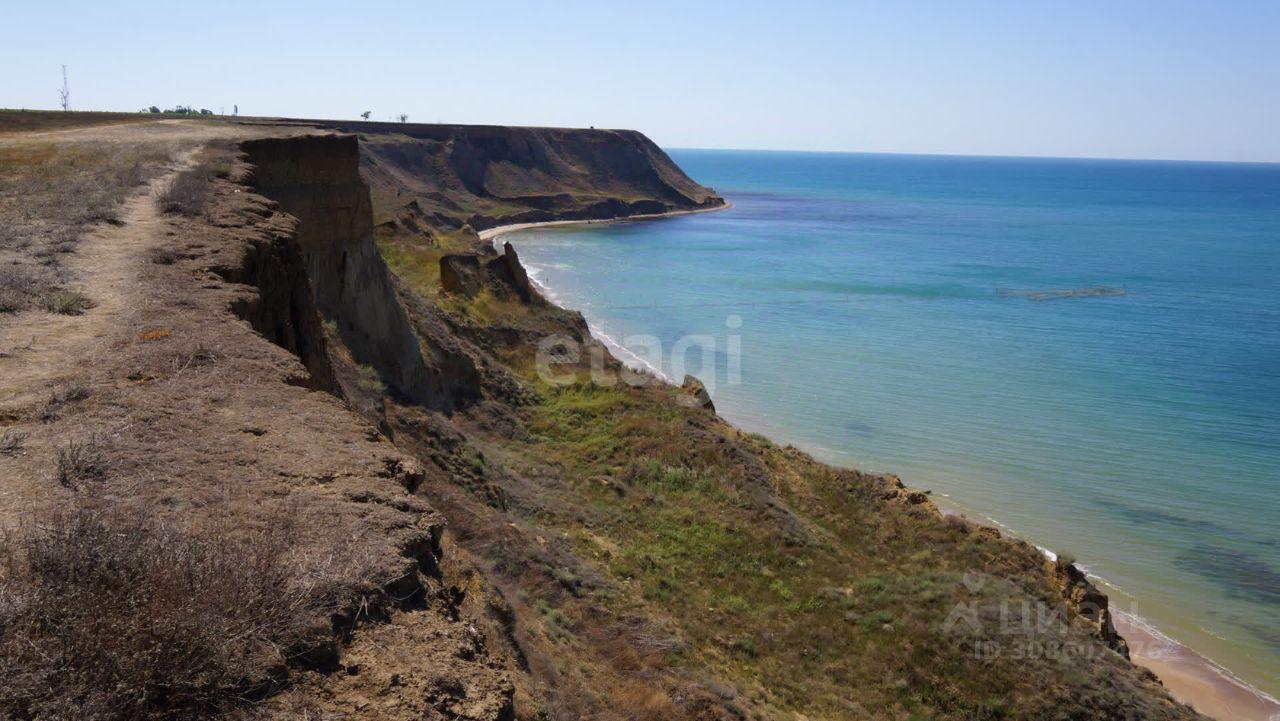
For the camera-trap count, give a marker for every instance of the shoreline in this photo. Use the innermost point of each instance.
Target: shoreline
(1189, 676)
(491, 234)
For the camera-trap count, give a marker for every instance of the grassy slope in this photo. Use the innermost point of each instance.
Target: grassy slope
(839, 613)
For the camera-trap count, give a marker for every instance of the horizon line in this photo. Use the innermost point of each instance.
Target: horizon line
(1001, 156)
(930, 154)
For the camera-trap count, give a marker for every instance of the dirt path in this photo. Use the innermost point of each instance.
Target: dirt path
(42, 349)
(43, 353)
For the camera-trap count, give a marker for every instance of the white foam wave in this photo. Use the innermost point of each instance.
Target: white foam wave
(535, 277)
(1173, 644)
(628, 357)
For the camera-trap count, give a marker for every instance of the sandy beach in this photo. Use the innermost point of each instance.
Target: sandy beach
(498, 230)
(1193, 679)
(1190, 677)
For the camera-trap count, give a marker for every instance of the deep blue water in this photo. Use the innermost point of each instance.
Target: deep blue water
(1141, 433)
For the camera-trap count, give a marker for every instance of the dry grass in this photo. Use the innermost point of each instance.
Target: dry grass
(59, 399)
(189, 193)
(51, 194)
(65, 302)
(18, 288)
(107, 614)
(163, 256)
(46, 120)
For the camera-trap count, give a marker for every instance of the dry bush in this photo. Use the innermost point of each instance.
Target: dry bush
(11, 441)
(17, 289)
(192, 355)
(52, 408)
(80, 461)
(163, 256)
(189, 193)
(100, 207)
(106, 614)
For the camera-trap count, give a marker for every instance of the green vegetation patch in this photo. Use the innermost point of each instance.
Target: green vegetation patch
(853, 610)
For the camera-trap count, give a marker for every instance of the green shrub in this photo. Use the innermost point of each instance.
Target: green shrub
(65, 302)
(369, 381)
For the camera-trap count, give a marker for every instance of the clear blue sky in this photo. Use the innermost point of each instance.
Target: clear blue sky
(1197, 80)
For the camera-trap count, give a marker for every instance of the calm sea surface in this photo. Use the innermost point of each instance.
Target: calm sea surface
(1140, 433)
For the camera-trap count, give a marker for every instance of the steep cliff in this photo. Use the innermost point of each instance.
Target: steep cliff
(442, 176)
(196, 524)
(315, 178)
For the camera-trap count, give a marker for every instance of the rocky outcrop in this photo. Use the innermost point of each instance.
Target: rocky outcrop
(460, 273)
(508, 270)
(468, 273)
(1087, 604)
(696, 394)
(316, 179)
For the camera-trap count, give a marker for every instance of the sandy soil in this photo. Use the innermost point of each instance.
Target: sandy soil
(1194, 680)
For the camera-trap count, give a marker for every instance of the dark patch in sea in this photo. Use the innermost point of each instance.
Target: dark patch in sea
(1150, 516)
(1242, 575)
(919, 291)
(838, 213)
(858, 429)
(1269, 636)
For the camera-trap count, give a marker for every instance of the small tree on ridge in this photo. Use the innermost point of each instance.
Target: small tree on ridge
(65, 92)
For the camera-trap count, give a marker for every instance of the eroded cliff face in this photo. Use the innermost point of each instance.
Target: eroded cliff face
(284, 308)
(316, 179)
(444, 176)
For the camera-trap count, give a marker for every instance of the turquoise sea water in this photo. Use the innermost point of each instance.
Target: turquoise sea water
(1140, 433)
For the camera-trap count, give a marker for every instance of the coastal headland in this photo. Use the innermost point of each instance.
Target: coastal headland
(278, 442)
